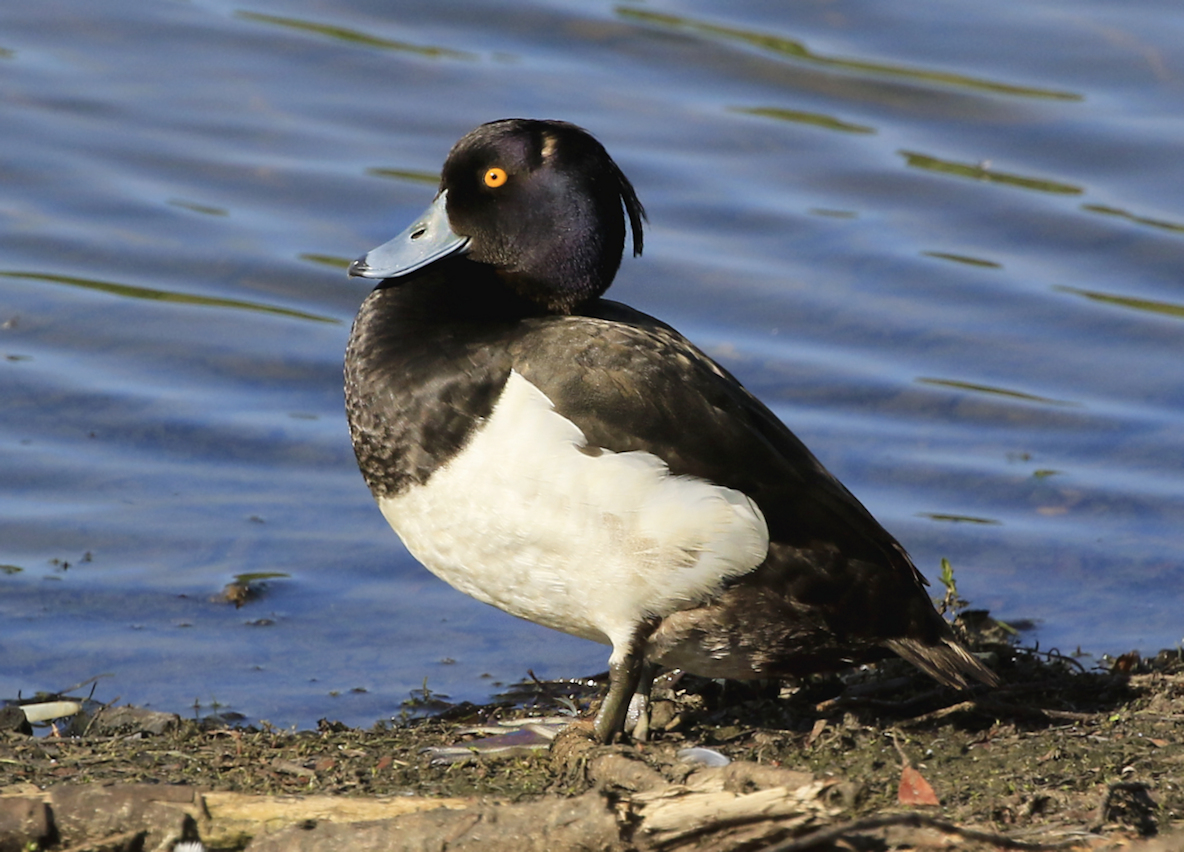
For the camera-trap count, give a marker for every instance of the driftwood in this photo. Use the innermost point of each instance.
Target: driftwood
(713, 809)
(633, 808)
(740, 806)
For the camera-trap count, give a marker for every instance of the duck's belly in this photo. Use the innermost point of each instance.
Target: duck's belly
(530, 519)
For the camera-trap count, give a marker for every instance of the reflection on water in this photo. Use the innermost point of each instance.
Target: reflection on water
(1163, 308)
(131, 292)
(1016, 407)
(204, 209)
(1010, 394)
(984, 172)
(816, 119)
(798, 51)
(962, 258)
(957, 519)
(1140, 220)
(430, 178)
(352, 36)
(339, 264)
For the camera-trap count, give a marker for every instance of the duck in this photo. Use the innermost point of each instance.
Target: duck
(582, 465)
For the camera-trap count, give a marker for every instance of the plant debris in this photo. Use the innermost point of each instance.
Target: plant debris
(1059, 756)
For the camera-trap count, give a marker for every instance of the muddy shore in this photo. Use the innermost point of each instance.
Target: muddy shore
(1057, 757)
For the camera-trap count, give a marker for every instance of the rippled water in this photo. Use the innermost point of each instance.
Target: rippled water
(944, 241)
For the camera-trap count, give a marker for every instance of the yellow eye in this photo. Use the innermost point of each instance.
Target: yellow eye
(495, 177)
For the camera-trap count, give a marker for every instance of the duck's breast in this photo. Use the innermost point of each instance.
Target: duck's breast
(530, 518)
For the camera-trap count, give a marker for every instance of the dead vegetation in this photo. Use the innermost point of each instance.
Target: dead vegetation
(1057, 757)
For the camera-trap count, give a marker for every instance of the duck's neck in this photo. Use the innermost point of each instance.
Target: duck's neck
(450, 292)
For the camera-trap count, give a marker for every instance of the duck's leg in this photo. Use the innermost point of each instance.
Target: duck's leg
(637, 720)
(623, 677)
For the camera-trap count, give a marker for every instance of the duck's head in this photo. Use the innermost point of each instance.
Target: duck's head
(541, 202)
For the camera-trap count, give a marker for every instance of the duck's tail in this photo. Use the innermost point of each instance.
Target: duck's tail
(946, 661)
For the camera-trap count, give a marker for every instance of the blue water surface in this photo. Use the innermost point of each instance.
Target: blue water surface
(944, 241)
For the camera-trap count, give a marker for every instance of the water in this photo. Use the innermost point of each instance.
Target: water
(943, 241)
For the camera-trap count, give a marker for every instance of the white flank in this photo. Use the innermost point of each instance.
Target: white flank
(584, 543)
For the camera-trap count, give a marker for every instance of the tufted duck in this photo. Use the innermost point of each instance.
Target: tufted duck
(582, 465)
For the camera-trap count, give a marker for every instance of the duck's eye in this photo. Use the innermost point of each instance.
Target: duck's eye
(495, 177)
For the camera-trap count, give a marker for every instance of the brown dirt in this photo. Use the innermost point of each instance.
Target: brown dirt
(1057, 755)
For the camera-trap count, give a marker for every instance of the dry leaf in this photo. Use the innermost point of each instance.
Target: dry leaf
(914, 789)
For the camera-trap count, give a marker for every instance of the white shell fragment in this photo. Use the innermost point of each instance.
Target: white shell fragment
(47, 710)
(703, 756)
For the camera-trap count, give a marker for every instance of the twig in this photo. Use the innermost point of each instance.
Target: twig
(94, 716)
(1020, 710)
(829, 835)
(904, 758)
(1055, 654)
(939, 714)
(1000, 708)
(844, 701)
(89, 680)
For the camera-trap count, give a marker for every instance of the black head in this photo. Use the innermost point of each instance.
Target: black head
(541, 202)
